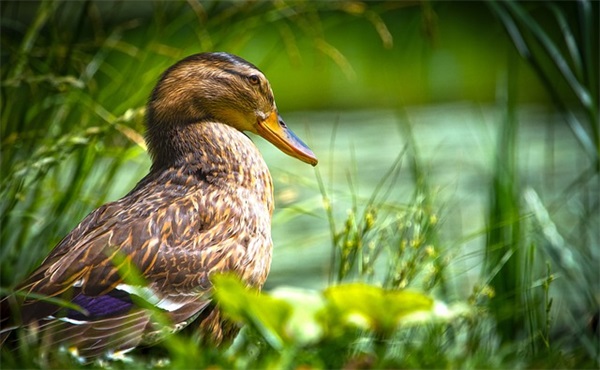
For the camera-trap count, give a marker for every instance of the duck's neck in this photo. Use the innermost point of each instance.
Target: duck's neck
(213, 152)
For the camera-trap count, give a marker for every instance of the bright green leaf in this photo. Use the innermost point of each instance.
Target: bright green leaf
(372, 307)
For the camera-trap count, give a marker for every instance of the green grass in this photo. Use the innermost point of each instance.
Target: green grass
(75, 78)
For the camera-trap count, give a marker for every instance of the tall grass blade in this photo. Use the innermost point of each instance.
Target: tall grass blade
(504, 245)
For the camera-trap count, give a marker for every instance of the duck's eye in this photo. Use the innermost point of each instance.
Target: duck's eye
(254, 79)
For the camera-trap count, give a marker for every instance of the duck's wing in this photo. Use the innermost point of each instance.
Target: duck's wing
(125, 253)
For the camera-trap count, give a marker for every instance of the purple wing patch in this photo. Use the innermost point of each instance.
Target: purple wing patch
(113, 303)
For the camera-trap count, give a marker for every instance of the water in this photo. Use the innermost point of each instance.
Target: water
(456, 144)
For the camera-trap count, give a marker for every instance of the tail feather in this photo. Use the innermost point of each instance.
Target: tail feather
(96, 338)
(87, 335)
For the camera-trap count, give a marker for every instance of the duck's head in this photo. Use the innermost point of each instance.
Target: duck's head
(218, 87)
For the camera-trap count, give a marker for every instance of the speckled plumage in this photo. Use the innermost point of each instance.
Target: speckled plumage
(205, 207)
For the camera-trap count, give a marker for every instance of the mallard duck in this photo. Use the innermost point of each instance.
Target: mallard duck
(205, 207)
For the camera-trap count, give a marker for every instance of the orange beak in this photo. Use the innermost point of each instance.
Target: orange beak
(277, 133)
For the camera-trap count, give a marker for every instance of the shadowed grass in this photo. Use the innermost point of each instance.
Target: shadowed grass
(568, 59)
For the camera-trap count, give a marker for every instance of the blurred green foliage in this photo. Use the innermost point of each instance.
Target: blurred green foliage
(75, 78)
(292, 320)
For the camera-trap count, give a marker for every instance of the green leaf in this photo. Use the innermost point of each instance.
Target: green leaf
(302, 326)
(374, 308)
(267, 314)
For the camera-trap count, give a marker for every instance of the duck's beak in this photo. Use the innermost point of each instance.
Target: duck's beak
(275, 131)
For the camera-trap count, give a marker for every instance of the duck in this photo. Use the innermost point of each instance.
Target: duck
(204, 208)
